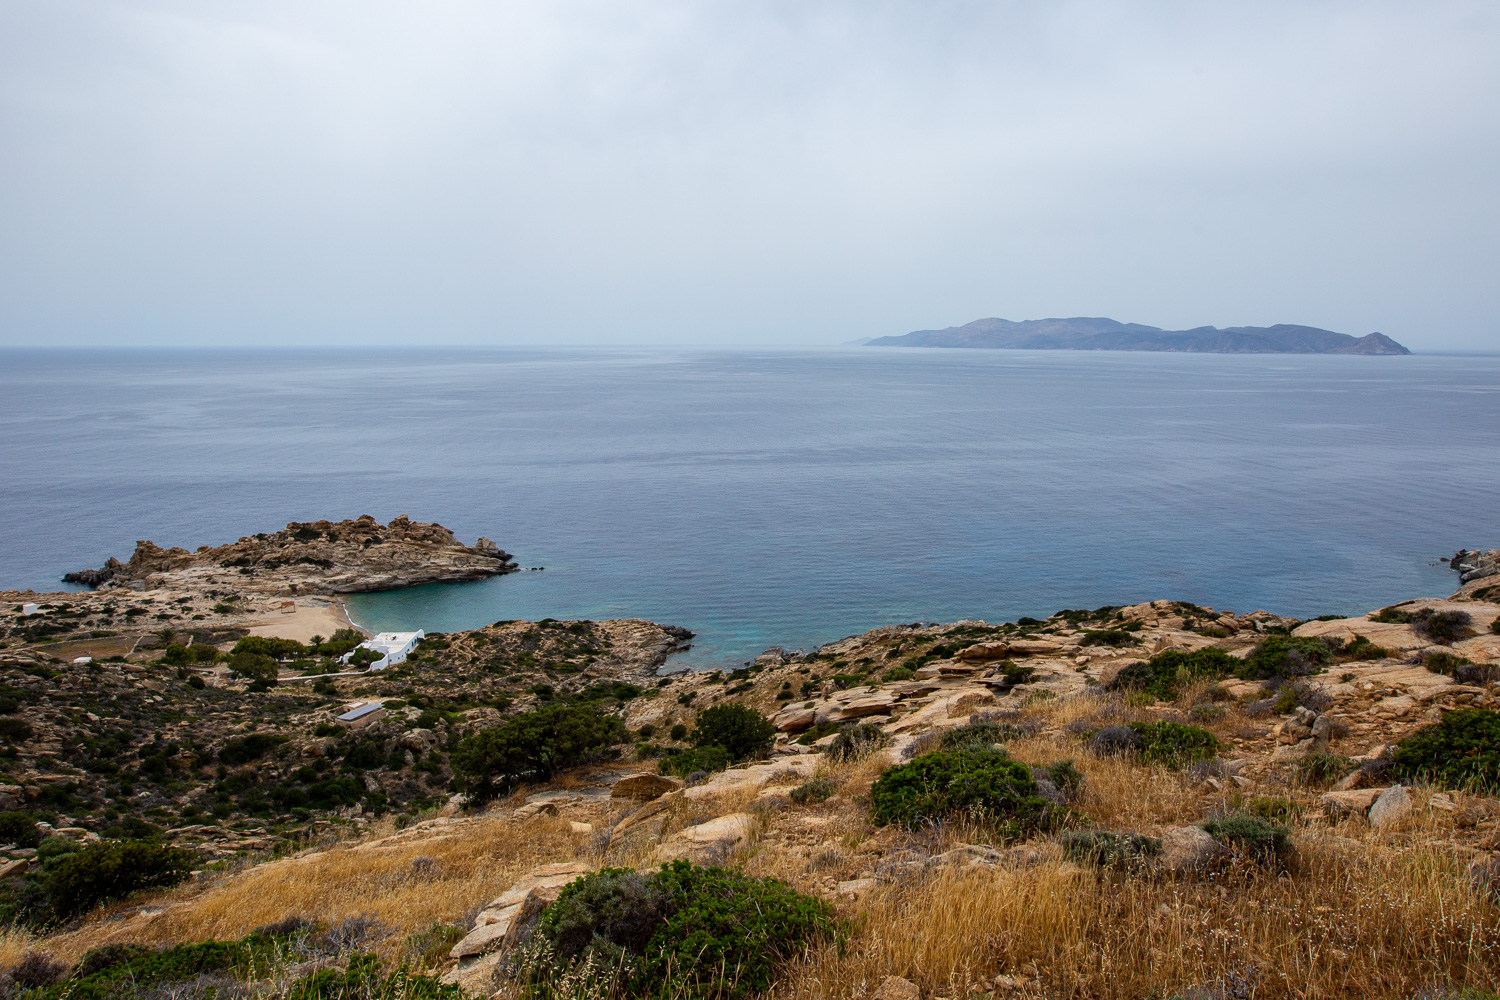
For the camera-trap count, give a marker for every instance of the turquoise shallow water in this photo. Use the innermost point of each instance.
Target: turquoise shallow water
(778, 497)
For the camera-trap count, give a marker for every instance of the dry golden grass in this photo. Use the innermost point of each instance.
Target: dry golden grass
(1375, 926)
(1354, 913)
(15, 942)
(375, 879)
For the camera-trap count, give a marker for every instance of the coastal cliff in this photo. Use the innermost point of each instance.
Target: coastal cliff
(314, 557)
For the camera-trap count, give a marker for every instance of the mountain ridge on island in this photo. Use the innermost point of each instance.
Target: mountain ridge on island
(1081, 333)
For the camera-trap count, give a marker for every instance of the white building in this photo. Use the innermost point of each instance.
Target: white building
(30, 609)
(394, 647)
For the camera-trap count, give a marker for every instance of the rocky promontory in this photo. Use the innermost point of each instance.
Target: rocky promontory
(314, 557)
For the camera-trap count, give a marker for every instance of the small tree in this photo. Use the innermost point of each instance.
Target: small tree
(739, 729)
(113, 870)
(533, 746)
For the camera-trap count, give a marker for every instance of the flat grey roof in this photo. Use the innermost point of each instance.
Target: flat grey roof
(361, 711)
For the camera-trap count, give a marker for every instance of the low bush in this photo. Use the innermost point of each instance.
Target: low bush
(533, 746)
(1286, 656)
(982, 733)
(1443, 627)
(1462, 750)
(814, 791)
(19, 828)
(857, 740)
(685, 762)
(898, 674)
(1166, 673)
(37, 971)
(1249, 834)
(739, 729)
(1322, 768)
(1272, 808)
(1011, 673)
(1174, 744)
(1115, 741)
(1109, 850)
(979, 783)
(1065, 776)
(113, 870)
(1392, 615)
(1109, 637)
(683, 931)
(1361, 648)
(1444, 663)
(248, 748)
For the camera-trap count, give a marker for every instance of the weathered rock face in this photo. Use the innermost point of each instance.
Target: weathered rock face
(317, 557)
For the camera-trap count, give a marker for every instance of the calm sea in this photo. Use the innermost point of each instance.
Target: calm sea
(778, 497)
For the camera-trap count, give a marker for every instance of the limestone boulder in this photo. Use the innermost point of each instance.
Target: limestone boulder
(1393, 803)
(1350, 802)
(983, 651)
(896, 988)
(644, 787)
(1189, 849)
(794, 720)
(496, 923)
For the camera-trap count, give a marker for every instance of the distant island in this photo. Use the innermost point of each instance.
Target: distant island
(1100, 334)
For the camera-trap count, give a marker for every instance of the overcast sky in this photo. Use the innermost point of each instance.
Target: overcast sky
(742, 172)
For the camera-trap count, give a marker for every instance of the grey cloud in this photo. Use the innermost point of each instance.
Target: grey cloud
(792, 173)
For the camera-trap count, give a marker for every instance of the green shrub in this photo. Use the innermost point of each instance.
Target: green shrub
(19, 828)
(977, 782)
(1286, 656)
(856, 740)
(1065, 776)
(534, 746)
(1252, 835)
(739, 729)
(1109, 850)
(683, 931)
(1173, 744)
(1361, 648)
(1460, 751)
(275, 649)
(1012, 673)
(678, 732)
(1444, 663)
(1109, 637)
(363, 979)
(254, 667)
(15, 731)
(813, 791)
(898, 674)
(1322, 768)
(113, 870)
(1272, 808)
(1392, 615)
(1443, 627)
(1166, 673)
(248, 748)
(983, 733)
(686, 762)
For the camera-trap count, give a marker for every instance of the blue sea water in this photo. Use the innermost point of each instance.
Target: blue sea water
(777, 497)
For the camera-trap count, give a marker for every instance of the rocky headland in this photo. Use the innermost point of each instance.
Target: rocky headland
(314, 557)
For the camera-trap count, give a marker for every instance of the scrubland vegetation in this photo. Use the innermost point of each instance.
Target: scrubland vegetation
(1141, 834)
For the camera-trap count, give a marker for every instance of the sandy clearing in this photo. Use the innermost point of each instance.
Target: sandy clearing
(313, 616)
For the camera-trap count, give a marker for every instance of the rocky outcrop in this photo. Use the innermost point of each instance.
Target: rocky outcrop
(316, 557)
(1476, 565)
